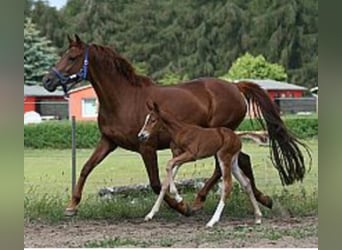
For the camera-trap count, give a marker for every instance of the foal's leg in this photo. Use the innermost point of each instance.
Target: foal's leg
(202, 194)
(149, 156)
(246, 185)
(225, 164)
(159, 200)
(173, 188)
(104, 147)
(177, 161)
(246, 167)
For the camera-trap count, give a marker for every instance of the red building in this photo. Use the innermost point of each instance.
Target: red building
(285, 93)
(276, 89)
(83, 103)
(51, 105)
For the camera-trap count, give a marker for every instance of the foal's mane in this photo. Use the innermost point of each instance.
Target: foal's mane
(111, 60)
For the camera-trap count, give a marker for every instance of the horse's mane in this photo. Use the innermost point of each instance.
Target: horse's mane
(112, 60)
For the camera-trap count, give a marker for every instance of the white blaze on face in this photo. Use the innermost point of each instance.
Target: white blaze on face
(142, 131)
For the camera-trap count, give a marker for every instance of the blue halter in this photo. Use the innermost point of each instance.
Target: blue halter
(74, 78)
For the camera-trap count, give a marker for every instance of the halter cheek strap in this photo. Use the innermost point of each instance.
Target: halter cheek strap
(74, 78)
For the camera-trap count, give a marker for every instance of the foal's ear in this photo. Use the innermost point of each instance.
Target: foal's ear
(78, 39)
(149, 104)
(155, 107)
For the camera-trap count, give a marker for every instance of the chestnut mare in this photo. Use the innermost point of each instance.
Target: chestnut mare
(189, 143)
(207, 102)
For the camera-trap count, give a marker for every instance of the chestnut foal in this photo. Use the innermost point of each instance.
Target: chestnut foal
(191, 143)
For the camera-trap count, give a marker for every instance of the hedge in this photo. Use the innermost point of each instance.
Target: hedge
(57, 134)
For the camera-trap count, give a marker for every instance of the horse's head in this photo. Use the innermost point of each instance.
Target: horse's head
(71, 68)
(152, 122)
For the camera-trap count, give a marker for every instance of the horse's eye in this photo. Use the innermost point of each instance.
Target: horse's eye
(72, 59)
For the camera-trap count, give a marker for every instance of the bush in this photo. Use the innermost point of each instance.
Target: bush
(303, 127)
(57, 134)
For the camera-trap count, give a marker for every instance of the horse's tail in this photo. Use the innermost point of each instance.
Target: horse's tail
(284, 146)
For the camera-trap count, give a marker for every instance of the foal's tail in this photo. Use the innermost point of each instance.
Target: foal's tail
(284, 146)
(260, 138)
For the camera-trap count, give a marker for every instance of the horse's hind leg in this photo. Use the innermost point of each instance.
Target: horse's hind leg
(246, 185)
(245, 165)
(104, 147)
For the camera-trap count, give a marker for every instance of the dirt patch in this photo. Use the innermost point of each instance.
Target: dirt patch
(180, 232)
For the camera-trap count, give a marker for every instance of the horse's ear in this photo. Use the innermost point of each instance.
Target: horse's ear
(78, 39)
(69, 39)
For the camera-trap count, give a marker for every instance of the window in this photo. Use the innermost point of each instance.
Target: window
(89, 107)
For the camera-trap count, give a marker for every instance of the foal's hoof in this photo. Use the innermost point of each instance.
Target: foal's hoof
(268, 202)
(69, 212)
(148, 217)
(258, 222)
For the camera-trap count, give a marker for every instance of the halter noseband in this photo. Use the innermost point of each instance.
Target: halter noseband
(74, 78)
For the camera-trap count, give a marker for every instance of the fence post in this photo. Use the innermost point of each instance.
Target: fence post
(73, 153)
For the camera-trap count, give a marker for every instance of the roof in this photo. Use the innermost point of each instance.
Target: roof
(269, 84)
(314, 90)
(35, 90)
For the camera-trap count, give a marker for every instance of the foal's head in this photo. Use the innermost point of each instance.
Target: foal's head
(152, 122)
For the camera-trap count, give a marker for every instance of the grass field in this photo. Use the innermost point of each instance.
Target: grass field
(47, 185)
(50, 170)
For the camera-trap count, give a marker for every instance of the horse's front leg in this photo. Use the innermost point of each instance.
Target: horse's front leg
(149, 155)
(104, 147)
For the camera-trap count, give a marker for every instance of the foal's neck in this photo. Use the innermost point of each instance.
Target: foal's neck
(171, 124)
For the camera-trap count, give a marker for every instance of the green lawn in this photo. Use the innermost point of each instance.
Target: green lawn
(49, 171)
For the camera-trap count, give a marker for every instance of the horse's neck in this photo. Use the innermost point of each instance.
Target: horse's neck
(112, 90)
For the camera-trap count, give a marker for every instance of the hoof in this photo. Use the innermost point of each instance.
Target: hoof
(258, 222)
(266, 201)
(148, 217)
(210, 224)
(188, 210)
(197, 207)
(269, 202)
(69, 212)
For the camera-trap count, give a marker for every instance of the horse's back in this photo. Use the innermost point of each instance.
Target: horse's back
(226, 103)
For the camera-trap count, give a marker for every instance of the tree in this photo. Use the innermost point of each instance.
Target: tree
(197, 43)
(248, 66)
(170, 78)
(39, 56)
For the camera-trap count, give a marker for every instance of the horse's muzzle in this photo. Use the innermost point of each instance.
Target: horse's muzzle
(49, 83)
